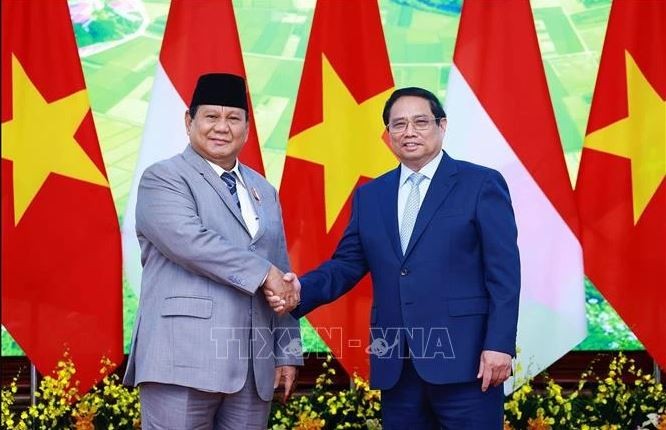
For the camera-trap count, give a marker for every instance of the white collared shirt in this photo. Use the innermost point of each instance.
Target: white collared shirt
(404, 187)
(247, 209)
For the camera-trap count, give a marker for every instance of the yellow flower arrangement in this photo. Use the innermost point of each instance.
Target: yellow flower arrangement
(109, 406)
(355, 408)
(624, 398)
(8, 417)
(309, 421)
(598, 403)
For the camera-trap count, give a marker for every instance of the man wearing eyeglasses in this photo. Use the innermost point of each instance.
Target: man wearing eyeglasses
(438, 236)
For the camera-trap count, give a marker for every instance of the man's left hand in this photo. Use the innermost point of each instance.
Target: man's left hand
(494, 368)
(285, 376)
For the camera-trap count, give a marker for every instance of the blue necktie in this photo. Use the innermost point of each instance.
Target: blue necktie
(230, 181)
(411, 209)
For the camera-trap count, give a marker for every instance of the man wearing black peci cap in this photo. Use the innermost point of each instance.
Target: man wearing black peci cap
(207, 349)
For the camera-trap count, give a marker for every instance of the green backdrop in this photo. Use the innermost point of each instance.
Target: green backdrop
(119, 43)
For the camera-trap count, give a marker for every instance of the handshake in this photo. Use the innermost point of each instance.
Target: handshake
(282, 290)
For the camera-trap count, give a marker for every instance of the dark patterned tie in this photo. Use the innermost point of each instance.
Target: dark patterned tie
(230, 181)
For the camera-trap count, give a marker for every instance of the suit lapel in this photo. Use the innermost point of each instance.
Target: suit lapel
(255, 198)
(388, 199)
(196, 161)
(440, 187)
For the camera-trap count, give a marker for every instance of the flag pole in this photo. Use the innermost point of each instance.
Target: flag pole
(33, 384)
(657, 371)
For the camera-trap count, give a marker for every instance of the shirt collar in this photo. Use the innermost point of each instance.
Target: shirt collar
(428, 170)
(218, 170)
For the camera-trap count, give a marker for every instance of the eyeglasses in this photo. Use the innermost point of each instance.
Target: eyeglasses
(420, 123)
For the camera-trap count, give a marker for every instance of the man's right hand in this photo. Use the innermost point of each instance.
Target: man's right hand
(282, 291)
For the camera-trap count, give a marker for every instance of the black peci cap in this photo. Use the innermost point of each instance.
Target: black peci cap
(222, 89)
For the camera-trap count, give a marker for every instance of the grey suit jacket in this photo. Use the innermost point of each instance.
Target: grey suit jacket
(201, 313)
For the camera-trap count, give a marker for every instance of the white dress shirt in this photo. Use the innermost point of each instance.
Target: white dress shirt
(247, 209)
(405, 187)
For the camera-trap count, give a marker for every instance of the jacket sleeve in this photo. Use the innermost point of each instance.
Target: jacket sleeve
(288, 348)
(338, 275)
(497, 229)
(166, 215)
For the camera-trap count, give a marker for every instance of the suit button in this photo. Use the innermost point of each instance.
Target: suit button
(253, 248)
(404, 271)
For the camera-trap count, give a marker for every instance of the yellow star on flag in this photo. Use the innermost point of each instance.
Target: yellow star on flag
(640, 137)
(39, 140)
(347, 143)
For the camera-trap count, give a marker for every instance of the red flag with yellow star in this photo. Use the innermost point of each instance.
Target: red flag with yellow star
(337, 142)
(621, 192)
(61, 262)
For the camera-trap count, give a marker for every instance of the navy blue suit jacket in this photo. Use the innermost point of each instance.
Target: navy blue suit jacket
(454, 293)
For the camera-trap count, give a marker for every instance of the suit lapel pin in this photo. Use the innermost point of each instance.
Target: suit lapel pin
(255, 194)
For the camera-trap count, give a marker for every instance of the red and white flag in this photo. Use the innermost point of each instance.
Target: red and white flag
(501, 116)
(200, 37)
